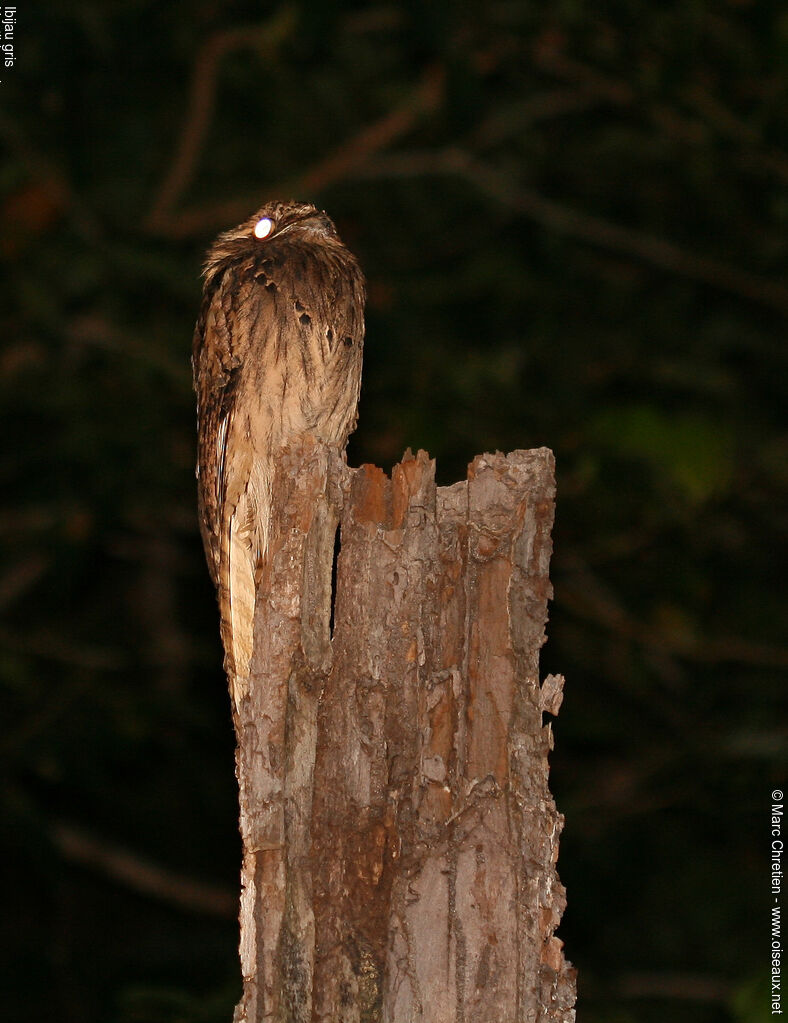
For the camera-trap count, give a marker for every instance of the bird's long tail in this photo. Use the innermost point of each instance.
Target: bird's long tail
(244, 546)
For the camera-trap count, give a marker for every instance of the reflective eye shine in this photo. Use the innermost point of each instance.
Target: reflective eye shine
(263, 227)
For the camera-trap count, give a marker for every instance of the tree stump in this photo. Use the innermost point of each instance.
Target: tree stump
(399, 836)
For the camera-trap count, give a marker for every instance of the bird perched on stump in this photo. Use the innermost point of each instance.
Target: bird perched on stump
(277, 353)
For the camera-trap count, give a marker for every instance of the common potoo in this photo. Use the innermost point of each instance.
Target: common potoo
(277, 353)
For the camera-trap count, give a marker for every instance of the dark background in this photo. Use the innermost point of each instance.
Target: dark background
(573, 222)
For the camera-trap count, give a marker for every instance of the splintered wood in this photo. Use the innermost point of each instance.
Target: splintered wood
(400, 839)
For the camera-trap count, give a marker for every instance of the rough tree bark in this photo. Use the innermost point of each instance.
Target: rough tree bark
(399, 837)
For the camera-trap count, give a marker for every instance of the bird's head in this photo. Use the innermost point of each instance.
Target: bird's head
(274, 221)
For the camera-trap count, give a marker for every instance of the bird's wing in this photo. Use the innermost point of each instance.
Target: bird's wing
(233, 323)
(217, 373)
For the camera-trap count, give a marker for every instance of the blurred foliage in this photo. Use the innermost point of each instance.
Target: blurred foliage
(573, 222)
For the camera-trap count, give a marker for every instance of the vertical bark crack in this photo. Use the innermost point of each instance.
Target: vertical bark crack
(392, 764)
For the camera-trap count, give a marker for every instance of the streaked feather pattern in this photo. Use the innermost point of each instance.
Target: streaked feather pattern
(277, 352)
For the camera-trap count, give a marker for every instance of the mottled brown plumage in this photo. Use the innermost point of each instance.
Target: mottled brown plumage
(277, 353)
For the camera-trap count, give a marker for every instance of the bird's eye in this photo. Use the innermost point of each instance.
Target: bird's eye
(263, 227)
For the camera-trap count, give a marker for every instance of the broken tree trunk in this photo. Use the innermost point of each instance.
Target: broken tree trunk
(399, 837)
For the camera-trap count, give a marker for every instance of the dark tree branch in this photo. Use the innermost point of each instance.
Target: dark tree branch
(584, 226)
(591, 602)
(510, 120)
(50, 647)
(680, 987)
(712, 111)
(263, 38)
(337, 165)
(141, 875)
